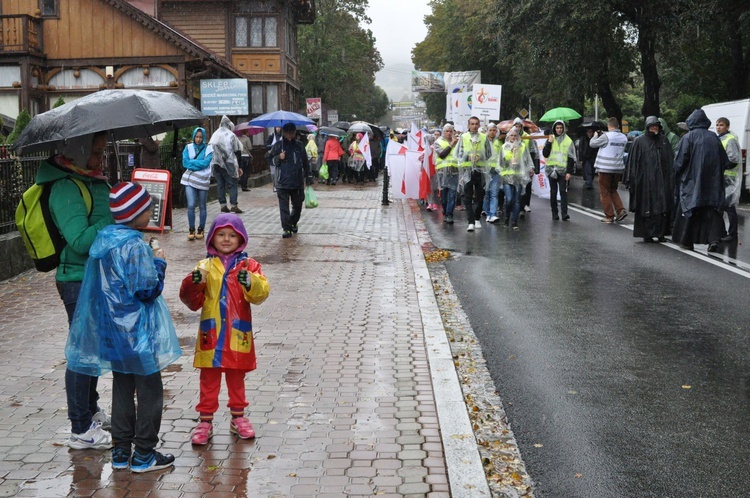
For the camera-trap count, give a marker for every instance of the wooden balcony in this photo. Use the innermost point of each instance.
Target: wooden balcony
(21, 34)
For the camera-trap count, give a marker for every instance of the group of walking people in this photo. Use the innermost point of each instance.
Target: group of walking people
(679, 187)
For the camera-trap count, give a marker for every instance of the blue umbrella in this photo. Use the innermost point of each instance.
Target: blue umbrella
(280, 118)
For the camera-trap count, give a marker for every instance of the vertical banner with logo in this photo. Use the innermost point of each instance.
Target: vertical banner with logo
(314, 108)
(486, 102)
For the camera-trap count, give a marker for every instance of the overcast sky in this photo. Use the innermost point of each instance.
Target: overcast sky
(398, 25)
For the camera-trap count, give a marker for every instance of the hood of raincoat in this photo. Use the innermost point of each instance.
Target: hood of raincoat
(227, 123)
(222, 221)
(110, 237)
(512, 131)
(554, 125)
(698, 119)
(664, 126)
(203, 131)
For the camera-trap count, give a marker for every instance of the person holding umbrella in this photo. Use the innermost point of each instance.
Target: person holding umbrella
(81, 160)
(292, 174)
(332, 154)
(561, 156)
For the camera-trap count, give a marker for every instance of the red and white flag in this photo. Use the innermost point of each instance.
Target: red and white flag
(364, 147)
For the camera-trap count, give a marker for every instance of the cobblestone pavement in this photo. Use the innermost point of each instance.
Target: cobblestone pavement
(342, 401)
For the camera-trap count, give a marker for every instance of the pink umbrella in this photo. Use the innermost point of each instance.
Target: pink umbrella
(311, 127)
(247, 129)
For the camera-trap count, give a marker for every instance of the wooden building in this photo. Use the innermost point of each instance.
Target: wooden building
(70, 48)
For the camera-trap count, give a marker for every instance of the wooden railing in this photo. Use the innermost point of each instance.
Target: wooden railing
(21, 34)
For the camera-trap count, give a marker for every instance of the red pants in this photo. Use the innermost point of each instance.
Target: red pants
(611, 202)
(211, 384)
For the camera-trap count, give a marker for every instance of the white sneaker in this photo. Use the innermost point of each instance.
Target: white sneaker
(527, 209)
(477, 224)
(470, 228)
(489, 219)
(95, 438)
(103, 419)
(492, 219)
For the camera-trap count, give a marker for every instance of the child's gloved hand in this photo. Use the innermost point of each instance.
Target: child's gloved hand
(197, 276)
(243, 277)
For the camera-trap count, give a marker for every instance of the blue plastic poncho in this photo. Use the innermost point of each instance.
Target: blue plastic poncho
(121, 321)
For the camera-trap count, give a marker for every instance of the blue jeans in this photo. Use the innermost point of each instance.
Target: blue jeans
(80, 389)
(201, 196)
(512, 201)
(490, 195)
(224, 182)
(448, 195)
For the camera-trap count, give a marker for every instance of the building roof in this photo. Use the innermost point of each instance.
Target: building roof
(170, 34)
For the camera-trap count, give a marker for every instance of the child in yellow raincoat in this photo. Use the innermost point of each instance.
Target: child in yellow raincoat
(224, 285)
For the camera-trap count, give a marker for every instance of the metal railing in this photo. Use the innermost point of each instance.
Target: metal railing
(19, 173)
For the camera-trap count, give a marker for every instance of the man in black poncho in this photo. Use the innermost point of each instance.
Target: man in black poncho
(699, 175)
(651, 183)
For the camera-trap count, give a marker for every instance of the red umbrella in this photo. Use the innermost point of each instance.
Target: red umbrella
(529, 126)
(247, 129)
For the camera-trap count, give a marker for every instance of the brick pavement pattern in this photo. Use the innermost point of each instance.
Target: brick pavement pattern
(342, 400)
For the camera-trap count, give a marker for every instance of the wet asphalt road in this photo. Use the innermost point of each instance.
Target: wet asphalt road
(624, 367)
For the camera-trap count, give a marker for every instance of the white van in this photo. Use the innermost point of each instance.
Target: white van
(738, 114)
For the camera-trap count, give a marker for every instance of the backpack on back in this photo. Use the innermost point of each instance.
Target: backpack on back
(40, 235)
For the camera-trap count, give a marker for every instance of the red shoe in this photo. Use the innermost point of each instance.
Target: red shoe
(242, 427)
(202, 433)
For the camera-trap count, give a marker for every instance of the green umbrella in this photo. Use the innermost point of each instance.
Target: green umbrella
(560, 113)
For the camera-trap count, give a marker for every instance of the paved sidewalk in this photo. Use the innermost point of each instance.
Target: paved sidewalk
(350, 344)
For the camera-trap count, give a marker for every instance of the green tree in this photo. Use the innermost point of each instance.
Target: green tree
(60, 101)
(21, 122)
(338, 58)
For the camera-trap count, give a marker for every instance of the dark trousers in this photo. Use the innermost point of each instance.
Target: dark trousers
(225, 182)
(588, 172)
(526, 197)
(290, 218)
(733, 220)
(386, 181)
(333, 171)
(560, 184)
(139, 426)
(245, 165)
(80, 389)
(474, 196)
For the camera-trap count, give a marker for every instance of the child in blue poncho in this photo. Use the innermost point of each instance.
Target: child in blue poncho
(122, 324)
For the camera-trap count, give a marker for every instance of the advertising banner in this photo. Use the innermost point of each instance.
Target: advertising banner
(427, 81)
(314, 108)
(224, 97)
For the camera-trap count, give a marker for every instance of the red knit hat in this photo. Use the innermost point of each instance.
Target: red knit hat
(127, 200)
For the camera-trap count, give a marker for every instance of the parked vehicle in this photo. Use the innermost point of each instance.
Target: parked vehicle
(738, 114)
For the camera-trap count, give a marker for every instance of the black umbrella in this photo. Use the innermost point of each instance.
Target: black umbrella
(344, 125)
(335, 132)
(124, 113)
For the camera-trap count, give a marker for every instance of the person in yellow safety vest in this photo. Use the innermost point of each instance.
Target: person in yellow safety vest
(732, 176)
(530, 144)
(472, 154)
(494, 184)
(515, 165)
(561, 159)
(446, 169)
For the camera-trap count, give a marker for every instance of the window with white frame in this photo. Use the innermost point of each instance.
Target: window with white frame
(255, 31)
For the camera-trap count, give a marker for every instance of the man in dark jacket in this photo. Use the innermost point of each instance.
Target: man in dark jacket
(587, 156)
(699, 177)
(292, 173)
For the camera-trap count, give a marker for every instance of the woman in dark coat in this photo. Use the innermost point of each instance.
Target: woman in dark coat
(651, 183)
(699, 176)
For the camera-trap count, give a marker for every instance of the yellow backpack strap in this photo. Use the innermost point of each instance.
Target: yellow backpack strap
(86, 194)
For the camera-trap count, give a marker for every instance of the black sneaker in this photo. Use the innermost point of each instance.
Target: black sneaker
(566, 217)
(236, 210)
(120, 458)
(151, 461)
(224, 209)
(555, 217)
(295, 229)
(287, 234)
